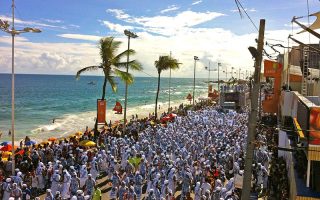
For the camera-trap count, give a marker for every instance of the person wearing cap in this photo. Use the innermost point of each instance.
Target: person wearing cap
(26, 193)
(16, 192)
(197, 191)
(113, 193)
(57, 196)
(49, 195)
(138, 181)
(74, 184)
(39, 173)
(83, 172)
(66, 184)
(122, 191)
(56, 179)
(97, 193)
(7, 188)
(89, 185)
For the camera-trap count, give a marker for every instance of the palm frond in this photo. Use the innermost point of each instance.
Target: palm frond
(124, 54)
(113, 83)
(124, 76)
(165, 63)
(86, 69)
(133, 64)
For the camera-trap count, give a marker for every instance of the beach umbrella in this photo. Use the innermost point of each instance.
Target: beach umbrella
(4, 143)
(52, 139)
(7, 147)
(31, 142)
(79, 133)
(87, 143)
(44, 142)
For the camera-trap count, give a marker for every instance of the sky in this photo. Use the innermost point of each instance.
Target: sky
(213, 30)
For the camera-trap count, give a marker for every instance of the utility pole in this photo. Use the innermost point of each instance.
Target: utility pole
(219, 76)
(194, 77)
(169, 86)
(246, 189)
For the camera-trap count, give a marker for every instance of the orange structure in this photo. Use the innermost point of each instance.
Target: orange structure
(272, 72)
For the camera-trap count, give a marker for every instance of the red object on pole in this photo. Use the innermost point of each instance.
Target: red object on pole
(101, 111)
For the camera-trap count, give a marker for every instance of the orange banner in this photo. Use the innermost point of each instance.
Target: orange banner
(101, 111)
(272, 68)
(314, 126)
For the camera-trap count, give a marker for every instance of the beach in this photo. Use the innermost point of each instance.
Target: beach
(72, 103)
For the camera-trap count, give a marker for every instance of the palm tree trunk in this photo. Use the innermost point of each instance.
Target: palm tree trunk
(156, 108)
(104, 88)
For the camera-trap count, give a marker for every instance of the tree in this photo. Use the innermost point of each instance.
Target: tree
(112, 64)
(164, 63)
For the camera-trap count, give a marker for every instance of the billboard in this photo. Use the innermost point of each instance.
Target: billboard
(314, 126)
(101, 111)
(272, 68)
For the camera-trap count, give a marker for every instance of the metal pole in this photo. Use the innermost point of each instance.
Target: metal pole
(239, 73)
(169, 85)
(227, 73)
(194, 80)
(126, 92)
(210, 70)
(12, 92)
(253, 118)
(218, 77)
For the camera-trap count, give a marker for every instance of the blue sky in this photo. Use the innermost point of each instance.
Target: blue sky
(210, 29)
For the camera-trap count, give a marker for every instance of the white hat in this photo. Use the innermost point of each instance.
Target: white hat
(8, 180)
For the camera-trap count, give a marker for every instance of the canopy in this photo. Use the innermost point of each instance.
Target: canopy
(189, 97)
(4, 143)
(52, 139)
(31, 142)
(87, 143)
(7, 147)
(316, 24)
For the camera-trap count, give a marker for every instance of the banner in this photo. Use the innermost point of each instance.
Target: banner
(101, 111)
(314, 126)
(272, 68)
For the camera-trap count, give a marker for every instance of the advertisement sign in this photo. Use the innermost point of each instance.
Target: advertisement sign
(272, 68)
(234, 96)
(314, 126)
(101, 111)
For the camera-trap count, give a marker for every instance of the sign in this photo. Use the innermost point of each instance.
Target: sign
(101, 111)
(314, 126)
(272, 68)
(233, 97)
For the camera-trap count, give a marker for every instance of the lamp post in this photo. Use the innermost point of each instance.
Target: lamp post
(169, 86)
(219, 64)
(239, 72)
(130, 35)
(210, 70)
(194, 77)
(4, 26)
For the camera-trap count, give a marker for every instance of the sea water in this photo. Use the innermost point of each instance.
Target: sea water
(72, 103)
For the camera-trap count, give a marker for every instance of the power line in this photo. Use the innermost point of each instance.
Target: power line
(239, 3)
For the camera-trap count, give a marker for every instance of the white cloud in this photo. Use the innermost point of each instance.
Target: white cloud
(164, 25)
(29, 23)
(116, 27)
(246, 9)
(196, 2)
(81, 37)
(120, 14)
(53, 20)
(170, 8)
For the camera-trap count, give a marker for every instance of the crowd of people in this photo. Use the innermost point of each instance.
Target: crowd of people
(198, 156)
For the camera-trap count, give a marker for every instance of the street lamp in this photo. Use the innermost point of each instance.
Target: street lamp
(232, 68)
(4, 26)
(194, 76)
(130, 35)
(219, 64)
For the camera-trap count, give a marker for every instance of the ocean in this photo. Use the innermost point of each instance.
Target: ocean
(72, 103)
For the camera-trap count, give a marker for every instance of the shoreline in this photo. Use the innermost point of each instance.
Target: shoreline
(62, 129)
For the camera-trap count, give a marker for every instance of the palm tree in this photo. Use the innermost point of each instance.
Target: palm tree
(164, 63)
(112, 64)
